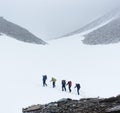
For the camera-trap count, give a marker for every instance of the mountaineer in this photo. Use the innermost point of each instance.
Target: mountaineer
(63, 85)
(44, 80)
(78, 88)
(53, 80)
(69, 85)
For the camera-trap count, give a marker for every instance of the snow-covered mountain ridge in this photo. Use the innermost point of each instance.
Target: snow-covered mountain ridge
(97, 23)
(18, 32)
(104, 30)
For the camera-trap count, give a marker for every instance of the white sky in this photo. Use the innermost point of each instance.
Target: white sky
(50, 18)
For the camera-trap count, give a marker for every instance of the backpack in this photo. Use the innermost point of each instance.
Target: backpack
(70, 83)
(44, 77)
(78, 86)
(63, 82)
(53, 79)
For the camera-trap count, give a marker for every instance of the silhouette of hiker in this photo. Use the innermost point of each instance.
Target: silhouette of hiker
(69, 85)
(63, 85)
(53, 80)
(44, 80)
(78, 88)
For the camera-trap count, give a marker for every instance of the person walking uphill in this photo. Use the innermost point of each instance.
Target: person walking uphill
(69, 85)
(44, 80)
(78, 88)
(63, 85)
(53, 80)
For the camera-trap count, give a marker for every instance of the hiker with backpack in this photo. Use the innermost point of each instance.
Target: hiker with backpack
(69, 85)
(63, 85)
(44, 80)
(53, 80)
(78, 88)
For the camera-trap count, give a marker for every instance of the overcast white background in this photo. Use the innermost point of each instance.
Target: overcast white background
(51, 18)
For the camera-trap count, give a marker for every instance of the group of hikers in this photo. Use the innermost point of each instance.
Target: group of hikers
(63, 83)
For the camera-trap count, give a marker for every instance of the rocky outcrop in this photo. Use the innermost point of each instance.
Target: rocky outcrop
(85, 105)
(17, 32)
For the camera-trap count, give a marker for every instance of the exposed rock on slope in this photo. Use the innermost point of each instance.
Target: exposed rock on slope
(88, 105)
(109, 33)
(18, 32)
(104, 30)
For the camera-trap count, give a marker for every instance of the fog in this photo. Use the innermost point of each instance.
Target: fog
(52, 18)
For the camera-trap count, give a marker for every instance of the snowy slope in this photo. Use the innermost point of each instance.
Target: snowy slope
(22, 66)
(96, 23)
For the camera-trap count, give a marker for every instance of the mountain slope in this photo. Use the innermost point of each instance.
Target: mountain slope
(97, 23)
(109, 33)
(18, 32)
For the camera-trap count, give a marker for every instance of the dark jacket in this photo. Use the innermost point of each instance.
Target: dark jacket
(77, 86)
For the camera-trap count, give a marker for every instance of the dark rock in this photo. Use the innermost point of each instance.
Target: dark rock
(84, 105)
